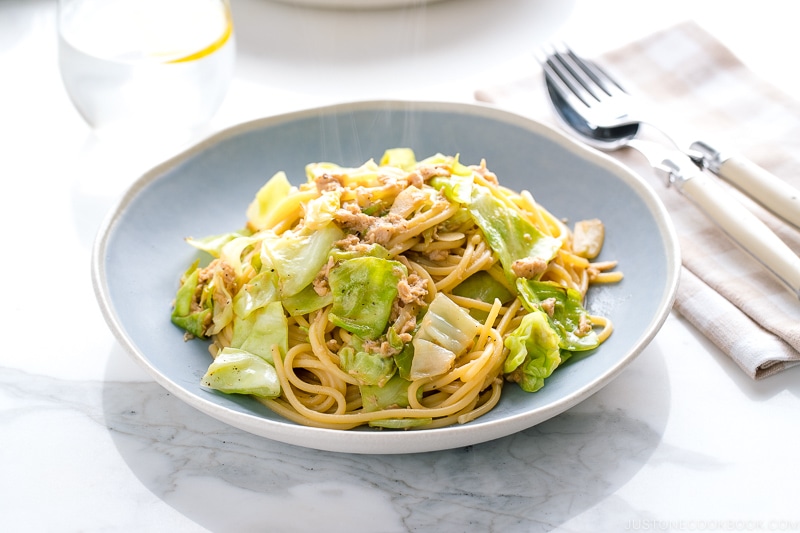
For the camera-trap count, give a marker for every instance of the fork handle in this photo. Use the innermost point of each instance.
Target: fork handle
(741, 225)
(760, 184)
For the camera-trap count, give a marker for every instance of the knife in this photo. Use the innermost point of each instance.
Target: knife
(756, 182)
(740, 224)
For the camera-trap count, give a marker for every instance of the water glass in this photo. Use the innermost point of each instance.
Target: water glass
(153, 66)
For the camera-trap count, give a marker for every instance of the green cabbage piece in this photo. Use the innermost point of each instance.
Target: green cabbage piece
(456, 188)
(453, 164)
(430, 359)
(393, 394)
(182, 314)
(232, 251)
(214, 310)
(318, 212)
(367, 368)
(236, 371)
(363, 291)
(568, 312)
(533, 351)
(298, 257)
(508, 233)
(262, 329)
(221, 298)
(399, 157)
(306, 301)
(445, 332)
(256, 293)
(403, 360)
(365, 175)
(371, 250)
(483, 287)
(213, 244)
(400, 423)
(267, 198)
(448, 325)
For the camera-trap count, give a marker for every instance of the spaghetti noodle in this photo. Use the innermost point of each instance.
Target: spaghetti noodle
(399, 294)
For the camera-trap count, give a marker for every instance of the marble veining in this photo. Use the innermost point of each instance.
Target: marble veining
(507, 483)
(202, 467)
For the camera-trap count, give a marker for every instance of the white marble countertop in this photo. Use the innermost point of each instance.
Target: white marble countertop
(682, 440)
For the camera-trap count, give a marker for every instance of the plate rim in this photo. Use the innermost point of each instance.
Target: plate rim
(350, 5)
(389, 442)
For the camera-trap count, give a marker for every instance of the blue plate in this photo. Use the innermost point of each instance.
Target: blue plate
(140, 251)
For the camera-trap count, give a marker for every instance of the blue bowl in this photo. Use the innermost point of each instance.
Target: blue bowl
(140, 251)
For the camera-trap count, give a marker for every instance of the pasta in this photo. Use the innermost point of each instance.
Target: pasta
(400, 294)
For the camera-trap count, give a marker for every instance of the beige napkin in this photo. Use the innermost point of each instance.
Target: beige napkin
(704, 89)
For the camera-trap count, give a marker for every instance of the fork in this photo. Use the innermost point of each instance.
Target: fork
(596, 108)
(613, 117)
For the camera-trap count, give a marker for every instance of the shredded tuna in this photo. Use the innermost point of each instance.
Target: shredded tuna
(363, 196)
(516, 375)
(382, 348)
(415, 178)
(394, 178)
(548, 306)
(382, 229)
(584, 326)
(222, 293)
(350, 217)
(352, 243)
(413, 289)
(328, 182)
(432, 171)
(320, 282)
(438, 255)
(529, 268)
(333, 345)
(228, 277)
(404, 319)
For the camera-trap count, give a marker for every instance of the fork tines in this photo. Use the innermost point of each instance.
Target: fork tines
(574, 76)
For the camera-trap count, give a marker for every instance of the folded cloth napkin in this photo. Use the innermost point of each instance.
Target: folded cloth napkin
(702, 87)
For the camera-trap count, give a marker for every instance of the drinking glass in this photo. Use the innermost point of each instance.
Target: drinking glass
(153, 66)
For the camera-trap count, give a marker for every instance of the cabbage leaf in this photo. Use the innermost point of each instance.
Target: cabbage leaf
(298, 257)
(260, 330)
(569, 316)
(393, 394)
(319, 211)
(364, 289)
(445, 332)
(533, 351)
(194, 322)
(213, 244)
(483, 287)
(267, 199)
(236, 371)
(508, 233)
(368, 368)
(256, 293)
(399, 157)
(306, 301)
